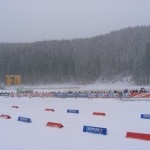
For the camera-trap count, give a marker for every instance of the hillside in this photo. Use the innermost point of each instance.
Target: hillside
(112, 56)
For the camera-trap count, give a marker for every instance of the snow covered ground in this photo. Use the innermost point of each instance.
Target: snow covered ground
(121, 116)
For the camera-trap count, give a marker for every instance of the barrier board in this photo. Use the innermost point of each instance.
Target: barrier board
(53, 124)
(82, 95)
(99, 113)
(95, 130)
(5, 116)
(141, 136)
(48, 109)
(14, 106)
(72, 111)
(24, 119)
(145, 116)
(60, 95)
(70, 95)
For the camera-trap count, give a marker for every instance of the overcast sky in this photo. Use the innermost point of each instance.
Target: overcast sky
(34, 20)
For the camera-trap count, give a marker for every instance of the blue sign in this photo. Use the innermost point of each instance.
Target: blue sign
(60, 95)
(145, 116)
(72, 111)
(95, 130)
(23, 119)
(70, 95)
(84, 95)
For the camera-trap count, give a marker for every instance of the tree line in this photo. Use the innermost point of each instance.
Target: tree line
(112, 56)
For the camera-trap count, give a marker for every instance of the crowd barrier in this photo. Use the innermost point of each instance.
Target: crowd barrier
(77, 95)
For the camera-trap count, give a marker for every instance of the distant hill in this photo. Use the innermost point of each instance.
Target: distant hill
(112, 56)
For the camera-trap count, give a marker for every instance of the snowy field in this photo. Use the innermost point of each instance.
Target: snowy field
(121, 117)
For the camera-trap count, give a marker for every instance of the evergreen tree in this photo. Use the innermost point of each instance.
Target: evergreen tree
(147, 63)
(111, 56)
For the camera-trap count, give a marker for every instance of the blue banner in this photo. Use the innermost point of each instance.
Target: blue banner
(145, 116)
(83, 95)
(23, 119)
(95, 130)
(70, 95)
(72, 111)
(60, 95)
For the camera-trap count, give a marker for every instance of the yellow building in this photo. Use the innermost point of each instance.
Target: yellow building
(12, 80)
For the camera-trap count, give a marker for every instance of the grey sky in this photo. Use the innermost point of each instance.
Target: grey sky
(33, 20)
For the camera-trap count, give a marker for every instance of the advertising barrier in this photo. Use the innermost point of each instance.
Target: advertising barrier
(99, 113)
(60, 95)
(83, 95)
(72, 111)
(24, 119)
(49, 109)
(145, 116)
(95, 130)
(5, 116)
(70, 95)
(53, 124)
(141, 136)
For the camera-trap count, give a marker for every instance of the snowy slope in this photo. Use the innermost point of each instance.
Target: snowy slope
(120, 118)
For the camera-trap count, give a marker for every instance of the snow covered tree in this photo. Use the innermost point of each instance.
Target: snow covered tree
(147, 63)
